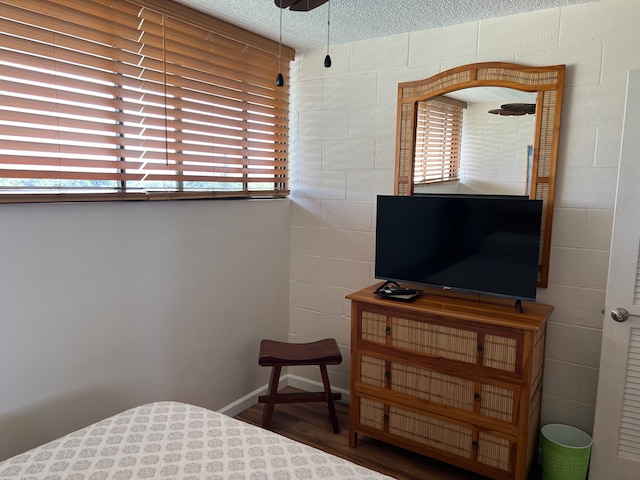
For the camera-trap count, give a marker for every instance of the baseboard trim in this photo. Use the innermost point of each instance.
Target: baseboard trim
(245, 402)
(287, 380)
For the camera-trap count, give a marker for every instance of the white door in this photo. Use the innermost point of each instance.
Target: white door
(616, 435)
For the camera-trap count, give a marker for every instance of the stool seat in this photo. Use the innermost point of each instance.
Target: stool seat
(282, 354)
(314, 353)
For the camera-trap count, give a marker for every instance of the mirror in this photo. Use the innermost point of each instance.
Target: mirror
(545, 87)
(494, 155)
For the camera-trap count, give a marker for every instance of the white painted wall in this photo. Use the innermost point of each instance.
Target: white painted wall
(343, 141)
(109, 305)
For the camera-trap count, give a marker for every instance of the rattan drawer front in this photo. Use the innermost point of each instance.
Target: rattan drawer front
(374, 327)
(434, 340)
(538, 354)
(497, 402)
(431, 431)
(494, 451)
(432, 386)
(372, 371)
(500, 352)
(371, 413)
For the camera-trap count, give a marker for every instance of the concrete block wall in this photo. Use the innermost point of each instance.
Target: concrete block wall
(342, 155)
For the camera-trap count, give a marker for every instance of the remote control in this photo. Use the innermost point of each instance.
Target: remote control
(400, 291)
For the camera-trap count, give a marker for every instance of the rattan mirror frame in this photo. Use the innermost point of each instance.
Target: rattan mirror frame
(547, 82)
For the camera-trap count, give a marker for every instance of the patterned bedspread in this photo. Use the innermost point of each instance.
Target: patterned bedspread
(170, 440)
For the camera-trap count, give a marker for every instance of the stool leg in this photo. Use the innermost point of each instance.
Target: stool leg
(271, 401)
(329, 397)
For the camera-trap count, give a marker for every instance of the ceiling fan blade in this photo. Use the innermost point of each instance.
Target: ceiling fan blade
(515, 109)
(300, 5)
(520, 107)
(284, 3)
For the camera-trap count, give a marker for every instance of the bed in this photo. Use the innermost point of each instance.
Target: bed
(172, 440)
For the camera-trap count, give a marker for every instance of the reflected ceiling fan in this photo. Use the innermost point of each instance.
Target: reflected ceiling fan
(515, 109)
(299, 5)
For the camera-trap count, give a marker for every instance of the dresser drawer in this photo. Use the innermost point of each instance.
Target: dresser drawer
(487, 400)
(442, 341)
(441, 434)
(434, 432)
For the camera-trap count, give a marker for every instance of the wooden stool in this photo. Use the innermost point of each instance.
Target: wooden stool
(280, 354)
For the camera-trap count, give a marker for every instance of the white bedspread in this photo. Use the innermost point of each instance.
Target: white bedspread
(170, 440)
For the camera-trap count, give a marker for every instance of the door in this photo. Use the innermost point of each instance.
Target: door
(616, 436)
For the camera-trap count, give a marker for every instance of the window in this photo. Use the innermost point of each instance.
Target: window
(112, 99)
(438, 135)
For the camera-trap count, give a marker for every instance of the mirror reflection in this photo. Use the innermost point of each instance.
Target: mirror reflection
(493, 150)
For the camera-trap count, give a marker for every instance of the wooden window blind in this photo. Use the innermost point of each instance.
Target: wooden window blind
(115, 99)
(438, 136)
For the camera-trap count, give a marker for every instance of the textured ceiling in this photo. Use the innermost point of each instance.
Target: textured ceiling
(354, 20)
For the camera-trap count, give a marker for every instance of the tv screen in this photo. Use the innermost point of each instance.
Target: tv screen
(470, 243)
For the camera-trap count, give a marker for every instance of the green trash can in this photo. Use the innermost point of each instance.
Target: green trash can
(565, 452)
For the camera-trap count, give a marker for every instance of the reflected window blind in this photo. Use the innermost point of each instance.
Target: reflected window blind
(113, 99)
(438, 137)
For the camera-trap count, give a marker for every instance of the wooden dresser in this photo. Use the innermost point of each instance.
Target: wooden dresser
(449, 376)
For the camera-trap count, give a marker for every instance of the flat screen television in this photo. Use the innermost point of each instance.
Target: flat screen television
(471, 243)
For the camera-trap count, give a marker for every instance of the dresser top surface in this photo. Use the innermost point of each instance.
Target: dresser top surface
(473, 307)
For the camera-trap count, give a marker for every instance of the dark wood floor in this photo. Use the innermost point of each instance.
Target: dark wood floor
(309, 423)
